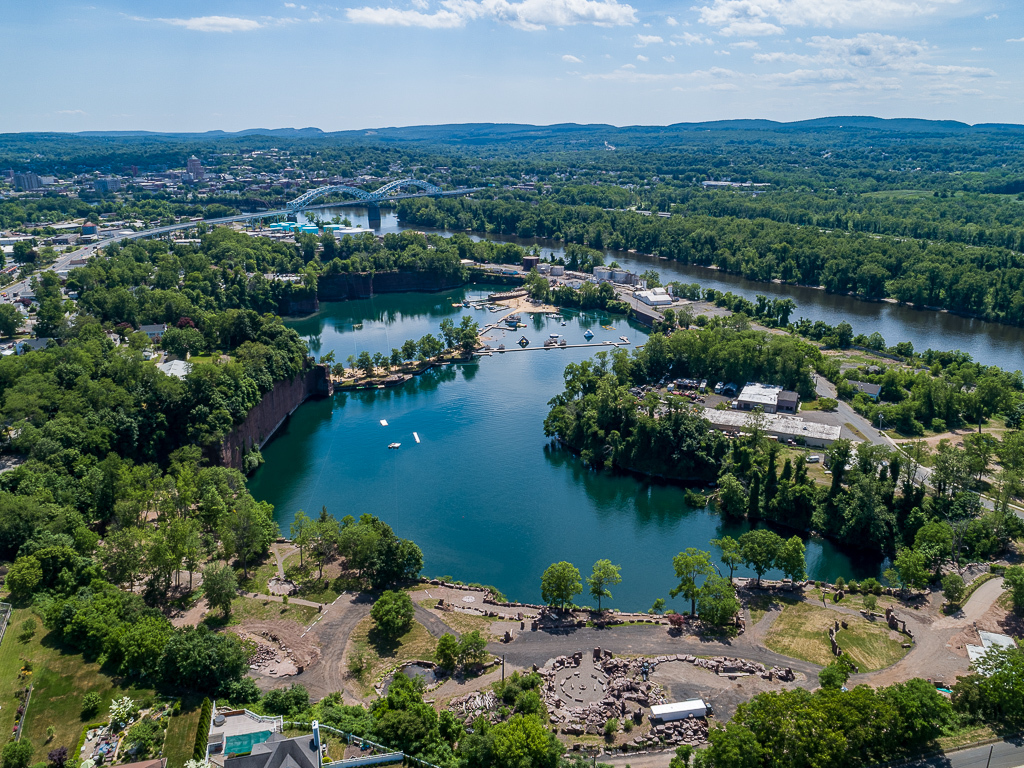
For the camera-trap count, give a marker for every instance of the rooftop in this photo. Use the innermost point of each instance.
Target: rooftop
(760, 393)
(789, 425)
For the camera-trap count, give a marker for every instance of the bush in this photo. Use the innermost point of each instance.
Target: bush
(872, 585)
(17, 754)
(627, 725)
(393, 613)
(146, 736)
(938, 425)
(870, 602)
(286, 701)
(91, 704)
(853, 587)
(529, 703)
(57, 757)
(840, 583)
(953, 588)
(199, 750)
(611, 727)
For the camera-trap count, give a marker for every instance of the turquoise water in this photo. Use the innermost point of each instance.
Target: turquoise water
(243, 744)
(487, 497)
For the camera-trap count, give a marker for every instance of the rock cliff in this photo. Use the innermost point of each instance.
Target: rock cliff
(276, 406)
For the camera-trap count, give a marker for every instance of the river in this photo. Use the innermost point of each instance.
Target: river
(487, 497)
(988, 343)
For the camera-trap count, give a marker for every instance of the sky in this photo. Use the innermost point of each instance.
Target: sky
(197, 65)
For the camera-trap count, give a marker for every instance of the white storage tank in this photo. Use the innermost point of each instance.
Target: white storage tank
(619, 275)
(557, 269)
(679, 710)
(602, 273)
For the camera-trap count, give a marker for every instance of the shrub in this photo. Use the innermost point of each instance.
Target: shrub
(953, 588)
(872, 585)
(840, 583)
(393, 613)
(146, 736)
(199, 750)
(870, 602)
(286, 701)
(91, 704)
(611, 726)
(627, 725)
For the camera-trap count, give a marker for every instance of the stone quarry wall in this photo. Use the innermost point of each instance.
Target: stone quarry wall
(363, 285)
(275, 407)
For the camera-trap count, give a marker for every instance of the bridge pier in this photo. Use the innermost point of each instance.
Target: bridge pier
(373, 215)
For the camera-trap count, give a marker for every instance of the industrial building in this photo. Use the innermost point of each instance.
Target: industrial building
(656, 297)
(770, 398)
(778, 426)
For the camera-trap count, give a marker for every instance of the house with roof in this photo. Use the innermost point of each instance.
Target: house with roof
(155, 330)
(867, 388)
(279, 752)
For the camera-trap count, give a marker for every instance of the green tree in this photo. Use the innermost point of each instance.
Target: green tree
(1013, 580)
(560, 583)
(183, 342)
(447, 652)
(791, 559)
(731, 557)
(24, 576)
(717, 601)
(910, 569)
(249, 530)
(689, 567)
(10, 320)
(472, 648)
(953, 588)
(200, 661)
(834, 675)
(17, 754)
(734, 746)
(760, 550)
(220, 586)
(732, 497)
(300, 532)
(603, 576)
(393, 613)
(324, 537)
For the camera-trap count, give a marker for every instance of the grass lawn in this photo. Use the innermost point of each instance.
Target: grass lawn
(802, 632)
(379, 655)
(855, 431)
(462, 622)
(760, 604)
(243, 608)
(258, 577)
(967, 735)
(59, 679)
(311, 587)
(180, 739)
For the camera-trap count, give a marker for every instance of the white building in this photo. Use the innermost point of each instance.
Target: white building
(770, 398)
(656, 297)
(779, 426)
(679, 710)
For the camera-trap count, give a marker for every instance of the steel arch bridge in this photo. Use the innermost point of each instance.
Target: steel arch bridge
(376, 196)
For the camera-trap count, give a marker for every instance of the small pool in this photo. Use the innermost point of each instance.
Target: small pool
(243, 743)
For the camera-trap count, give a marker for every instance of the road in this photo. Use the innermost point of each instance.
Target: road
(86, 252)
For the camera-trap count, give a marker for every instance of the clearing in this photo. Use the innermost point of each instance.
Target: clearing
(376, 654)
(801, 631)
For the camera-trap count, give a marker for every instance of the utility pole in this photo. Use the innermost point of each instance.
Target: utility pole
(989, 761)
(503, 667)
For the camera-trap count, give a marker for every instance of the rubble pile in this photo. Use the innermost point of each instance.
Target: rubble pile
(473, 705)
(692, 731)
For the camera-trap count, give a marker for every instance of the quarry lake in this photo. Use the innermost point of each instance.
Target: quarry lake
(484, 493)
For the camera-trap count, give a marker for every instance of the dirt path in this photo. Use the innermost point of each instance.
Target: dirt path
(281, 553)
(332, 634)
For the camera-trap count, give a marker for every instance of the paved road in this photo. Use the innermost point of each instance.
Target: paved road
(1005, 754)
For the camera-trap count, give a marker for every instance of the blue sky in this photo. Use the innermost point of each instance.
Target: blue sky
(228, 64)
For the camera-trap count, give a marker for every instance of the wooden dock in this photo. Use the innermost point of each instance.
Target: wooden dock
(517, 348)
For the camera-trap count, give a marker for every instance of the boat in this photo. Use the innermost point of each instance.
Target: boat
(624, 339)
(383, 422)
(554, 335)
(416, 436)
(588, 334)
(524, 342)
(394, 446)
(608, 327)
(563, 323)
(459, 305)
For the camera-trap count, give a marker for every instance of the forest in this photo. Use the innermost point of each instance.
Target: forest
(875, 500)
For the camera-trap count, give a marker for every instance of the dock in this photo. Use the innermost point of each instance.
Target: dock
(606, 344)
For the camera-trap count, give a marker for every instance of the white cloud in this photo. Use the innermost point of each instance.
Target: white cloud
(1016, 40)
(530, 15)
(645, 40)
(767, 17)
(641, 57)
(70, 112)
(290, 5)
(992, 16)
(213, 23)
(690, 38)
(671, 22)
(669, 59)
(749, 44)
(723, 53)
(571, 59)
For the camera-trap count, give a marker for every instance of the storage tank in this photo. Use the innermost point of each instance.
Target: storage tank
(602, 273)
(530, 262)
(557, 269)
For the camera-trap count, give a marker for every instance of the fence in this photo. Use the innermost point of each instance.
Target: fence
(6, 608)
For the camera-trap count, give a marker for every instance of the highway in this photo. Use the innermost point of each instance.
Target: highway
(86, 252)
